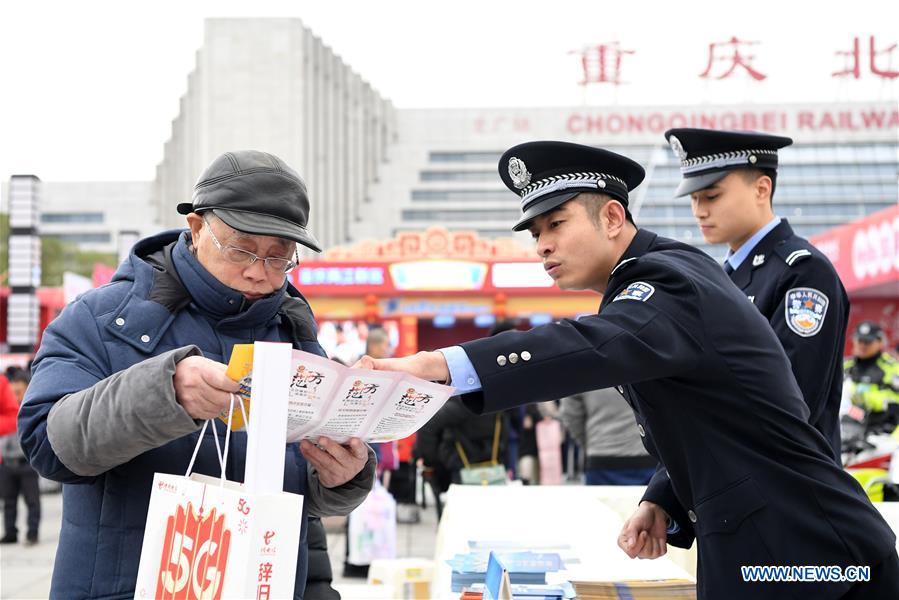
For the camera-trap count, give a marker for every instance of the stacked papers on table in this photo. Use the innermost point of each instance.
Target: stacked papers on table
(635, 590)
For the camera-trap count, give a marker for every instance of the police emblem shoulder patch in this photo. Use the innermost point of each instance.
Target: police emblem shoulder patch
(518, 172)
(638, 290)
(805, 310)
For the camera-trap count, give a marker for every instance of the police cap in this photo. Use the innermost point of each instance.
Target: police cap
(547, 174)
(868, 331)
(708, 155)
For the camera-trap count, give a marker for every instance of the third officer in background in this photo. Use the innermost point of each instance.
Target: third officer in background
(872, 378)
(730, 177)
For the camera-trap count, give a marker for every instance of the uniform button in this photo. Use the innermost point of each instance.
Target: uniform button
(231, 301)
(501, 360)
(145, 338)
(641, 430)
(691, 515)
(471, 381)
(620, 389)
(120, 321)
(525, 356)
(513, 358)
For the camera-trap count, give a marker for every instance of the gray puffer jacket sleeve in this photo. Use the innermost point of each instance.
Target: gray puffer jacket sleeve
(340, 500)
(81, 416)
(120, 417)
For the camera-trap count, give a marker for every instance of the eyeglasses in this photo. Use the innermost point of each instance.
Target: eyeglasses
(247, 258)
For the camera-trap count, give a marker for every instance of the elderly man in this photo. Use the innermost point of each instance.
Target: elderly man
(127, 374)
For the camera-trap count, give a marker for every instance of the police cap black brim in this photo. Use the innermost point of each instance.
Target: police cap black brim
(866, 338)
(688, 185)
(542, 206)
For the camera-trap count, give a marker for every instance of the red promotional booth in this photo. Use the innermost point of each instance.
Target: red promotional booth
(866, 256)
(435, 288)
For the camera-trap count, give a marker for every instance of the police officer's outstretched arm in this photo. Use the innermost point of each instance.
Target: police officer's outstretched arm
(648, 327)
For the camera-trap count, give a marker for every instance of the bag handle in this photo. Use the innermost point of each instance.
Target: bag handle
(494, 453)
(222, 456)
(462, 455)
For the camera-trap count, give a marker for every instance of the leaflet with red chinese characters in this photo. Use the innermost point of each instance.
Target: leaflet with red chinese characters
(326, 398)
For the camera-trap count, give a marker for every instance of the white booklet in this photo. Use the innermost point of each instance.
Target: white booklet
(329, 399)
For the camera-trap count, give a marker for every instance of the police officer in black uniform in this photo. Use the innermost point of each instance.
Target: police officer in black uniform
(742, 472)
(730, 177)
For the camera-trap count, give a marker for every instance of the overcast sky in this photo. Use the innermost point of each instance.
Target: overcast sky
(88, 89)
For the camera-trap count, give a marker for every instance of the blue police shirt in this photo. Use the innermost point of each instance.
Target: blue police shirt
(736, 258)
(463, 377)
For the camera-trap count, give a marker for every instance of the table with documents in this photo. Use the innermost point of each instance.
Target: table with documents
(579, 522)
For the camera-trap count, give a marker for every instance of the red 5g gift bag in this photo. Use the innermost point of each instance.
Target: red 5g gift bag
(209, 538)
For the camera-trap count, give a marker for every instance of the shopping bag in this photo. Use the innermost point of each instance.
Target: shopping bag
(204, 540)
(371, 532)
(208, 538)
(549, 449)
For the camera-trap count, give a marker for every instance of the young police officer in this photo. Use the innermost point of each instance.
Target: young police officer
(742, 471)
(730, 177)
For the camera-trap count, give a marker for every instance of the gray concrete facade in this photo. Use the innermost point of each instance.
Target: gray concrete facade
(271, 84)
(442, 170)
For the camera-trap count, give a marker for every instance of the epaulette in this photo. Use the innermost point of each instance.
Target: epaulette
(623, 264)
(792, 251)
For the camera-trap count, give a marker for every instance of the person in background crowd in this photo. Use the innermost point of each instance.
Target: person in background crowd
(603, 425)
(403, 482)
(377, 343)
(9, 407)
(872, 375)
(528, 453)
(436, 442)
(552, 453)
(513, 415)
(17, 477)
